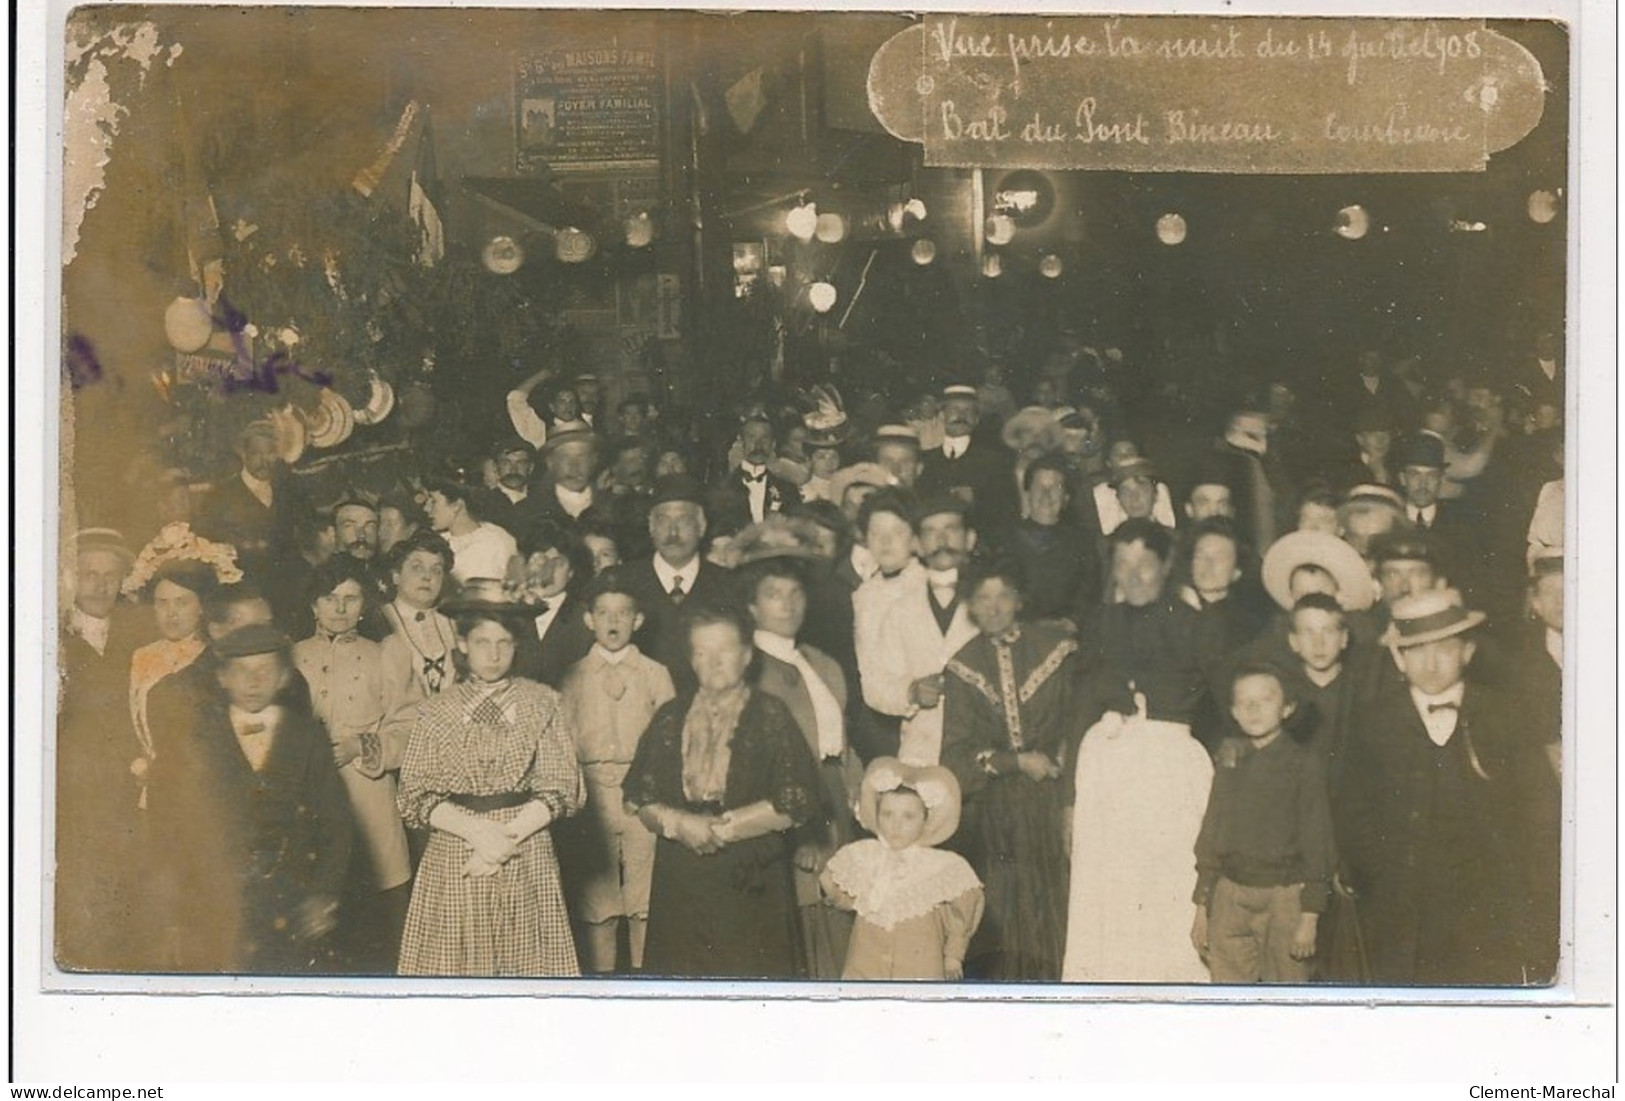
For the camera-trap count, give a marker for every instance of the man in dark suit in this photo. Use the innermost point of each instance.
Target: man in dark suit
(557, 569)
(570, 485)
(751, 493)
(97, 883)
(254, 511)
(966, 462)
(1438, 812)
(515, 505)
(1455, 537)
(673, 574)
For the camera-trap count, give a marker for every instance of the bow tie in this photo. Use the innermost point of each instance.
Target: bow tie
(541, 607)
(250, 729)
(1432, 707)
(758, 477)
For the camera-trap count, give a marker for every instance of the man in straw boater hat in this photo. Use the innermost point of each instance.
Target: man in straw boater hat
(94, 829)
(1440, 813)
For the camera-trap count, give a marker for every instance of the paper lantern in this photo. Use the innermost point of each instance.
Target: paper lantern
(502, 256)
(1543, 206)
(992, 265)
(1000, 229)
(1051, 266)
(187, 324)
(830, 228)
(574, 246)
(923, 251)
(802, 221)
(1171, 228)
(1353, 222)
(822, 296)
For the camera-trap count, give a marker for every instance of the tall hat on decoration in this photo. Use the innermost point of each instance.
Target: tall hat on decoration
(826, 421)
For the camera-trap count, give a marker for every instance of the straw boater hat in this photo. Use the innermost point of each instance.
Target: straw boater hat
(936, 786)
(1034, 425)
(572, 434)
(1316, 548)
(959, 390)
(1546, 563)
(1373, 494)
(897, 433)
(1429, 616)
(103, 539)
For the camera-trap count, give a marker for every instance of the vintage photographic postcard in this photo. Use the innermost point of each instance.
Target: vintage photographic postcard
(670, 510)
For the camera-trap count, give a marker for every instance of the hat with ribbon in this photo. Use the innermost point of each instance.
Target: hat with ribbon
(1295, 549)
(935, 786)
(1428, 616)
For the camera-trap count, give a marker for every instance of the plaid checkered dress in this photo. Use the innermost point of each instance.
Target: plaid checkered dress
(472, 741)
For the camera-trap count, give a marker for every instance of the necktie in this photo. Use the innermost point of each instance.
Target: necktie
(676, 591)
(614, 682)
(1420, 519)
(943, 602)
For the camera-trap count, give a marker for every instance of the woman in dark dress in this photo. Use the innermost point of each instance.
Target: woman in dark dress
(723, 777)
(1009, 713)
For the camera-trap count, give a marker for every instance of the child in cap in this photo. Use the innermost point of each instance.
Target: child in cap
(611, 694)
(256, 827)
(917, 905)
(1264, 856)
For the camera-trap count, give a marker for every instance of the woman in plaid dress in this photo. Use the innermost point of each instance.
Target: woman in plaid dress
(490, 766)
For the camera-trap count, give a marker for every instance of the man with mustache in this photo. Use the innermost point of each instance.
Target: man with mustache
(978, 469)
(673, 574)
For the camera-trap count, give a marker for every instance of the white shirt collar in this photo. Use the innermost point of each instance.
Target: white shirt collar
(1440, 724)
(93, 629)
(667, 573)
(776, 646)
(514, 495)
(753, 469)
(954, 446)
(260, 488)
(1426, 515)
(614, 657)
(575, 502)
(863, 563)
(1554, 645)
(942, 579)
(544, 622)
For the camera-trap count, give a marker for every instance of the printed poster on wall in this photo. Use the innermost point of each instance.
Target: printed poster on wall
(588, 110)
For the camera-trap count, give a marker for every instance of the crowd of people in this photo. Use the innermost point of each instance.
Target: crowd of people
(946, 688)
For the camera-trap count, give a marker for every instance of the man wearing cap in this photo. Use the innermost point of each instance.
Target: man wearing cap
(966, 461)
(1438, 811)
(571, 457)
(95, 830)
(256, 831)
(925, 625)
(675, 573)
(897, 452)
(515, 505)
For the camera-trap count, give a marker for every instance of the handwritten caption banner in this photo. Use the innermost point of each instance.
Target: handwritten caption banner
(1173, 93)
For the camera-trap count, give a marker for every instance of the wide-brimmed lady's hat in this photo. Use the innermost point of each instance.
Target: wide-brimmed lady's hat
(1355, 591)
(1034, 426)
(493, 596)
(935, 785)
(1429, 616)
(778, 536)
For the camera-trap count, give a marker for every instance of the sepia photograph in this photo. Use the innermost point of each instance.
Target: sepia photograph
(658, 503)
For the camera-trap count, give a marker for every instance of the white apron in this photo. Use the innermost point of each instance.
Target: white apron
(1142, 789)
